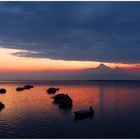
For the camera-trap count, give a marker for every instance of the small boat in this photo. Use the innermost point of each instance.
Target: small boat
(84, 113)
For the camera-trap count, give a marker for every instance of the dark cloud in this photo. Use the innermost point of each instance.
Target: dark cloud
(94, 31)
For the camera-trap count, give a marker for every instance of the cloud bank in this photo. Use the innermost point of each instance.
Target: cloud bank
(84, 31)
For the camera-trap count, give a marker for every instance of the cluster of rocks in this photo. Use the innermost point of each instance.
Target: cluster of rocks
(3, 90)
(63, 100)
(23, 88)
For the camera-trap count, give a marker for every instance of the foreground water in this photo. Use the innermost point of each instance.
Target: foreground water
(31, 114)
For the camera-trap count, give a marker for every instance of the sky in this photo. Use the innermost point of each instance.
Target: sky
(62, 37)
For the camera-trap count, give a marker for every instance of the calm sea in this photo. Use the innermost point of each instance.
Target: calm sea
(31, 114)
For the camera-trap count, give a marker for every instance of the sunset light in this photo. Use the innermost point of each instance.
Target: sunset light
(69, 69)
(10, 62)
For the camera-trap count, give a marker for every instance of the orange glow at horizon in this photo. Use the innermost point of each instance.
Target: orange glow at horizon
(9, 62)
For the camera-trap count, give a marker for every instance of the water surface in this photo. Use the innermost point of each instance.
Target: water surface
(31, 114)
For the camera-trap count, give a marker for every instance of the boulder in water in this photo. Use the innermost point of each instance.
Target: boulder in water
(19, 88)
(63, 100)
(52, 90)
(2, 90)
(28, 86)
(25, 87)
(1, 105)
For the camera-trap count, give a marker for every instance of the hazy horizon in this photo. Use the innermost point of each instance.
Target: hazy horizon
(101, 72)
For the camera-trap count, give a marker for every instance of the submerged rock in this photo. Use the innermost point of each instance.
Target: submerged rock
(52, 90)
(1, 105)
(63, 100)
(2, 90)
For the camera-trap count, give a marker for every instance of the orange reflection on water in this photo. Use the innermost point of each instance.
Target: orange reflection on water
(106, 99)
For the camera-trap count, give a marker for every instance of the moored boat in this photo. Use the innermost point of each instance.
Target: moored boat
(84, 113)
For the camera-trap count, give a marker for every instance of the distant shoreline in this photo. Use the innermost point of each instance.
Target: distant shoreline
(59, 80)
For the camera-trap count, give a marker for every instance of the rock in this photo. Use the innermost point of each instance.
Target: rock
(2, 90)
(19, 88)
(52, 90)
(58, 97)
(1, 105)
(63, 100)
(28, 86)
(25, 87)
